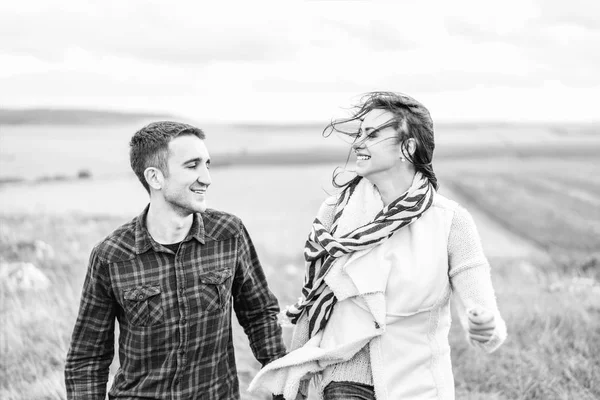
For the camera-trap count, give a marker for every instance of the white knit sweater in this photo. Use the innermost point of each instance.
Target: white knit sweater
(469, 272)
(404, 285)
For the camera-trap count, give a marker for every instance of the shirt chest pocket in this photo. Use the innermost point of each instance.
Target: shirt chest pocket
(143, 306)
(215, 289)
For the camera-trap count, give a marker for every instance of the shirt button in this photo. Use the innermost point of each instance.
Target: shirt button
(183, 321)
(181, 291)
(141, 297)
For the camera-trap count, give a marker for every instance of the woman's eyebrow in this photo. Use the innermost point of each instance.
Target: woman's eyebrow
(371, 128)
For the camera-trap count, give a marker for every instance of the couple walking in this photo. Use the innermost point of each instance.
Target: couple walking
(383, 257)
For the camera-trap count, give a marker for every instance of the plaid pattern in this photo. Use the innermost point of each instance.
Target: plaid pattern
(174, 313)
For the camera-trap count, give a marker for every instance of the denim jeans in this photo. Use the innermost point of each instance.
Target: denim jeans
(348, 391)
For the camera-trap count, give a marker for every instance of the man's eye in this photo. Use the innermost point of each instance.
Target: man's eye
(192, 166)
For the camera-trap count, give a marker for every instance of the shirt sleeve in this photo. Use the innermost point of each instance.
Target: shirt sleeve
(92, 343)
(255, 305)
(470, 276)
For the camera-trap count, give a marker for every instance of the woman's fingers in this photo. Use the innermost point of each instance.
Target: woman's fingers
(481, 324)
(480, 338)
(481, 329)
(480, 316)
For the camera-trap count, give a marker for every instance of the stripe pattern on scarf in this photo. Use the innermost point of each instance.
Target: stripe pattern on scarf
(322, 249)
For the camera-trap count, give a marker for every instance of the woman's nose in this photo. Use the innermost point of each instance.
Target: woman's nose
(358, 143)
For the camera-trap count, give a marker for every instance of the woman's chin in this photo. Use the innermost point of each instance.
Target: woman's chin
(360, 171)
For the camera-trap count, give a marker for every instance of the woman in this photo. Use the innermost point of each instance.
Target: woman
(383, 258)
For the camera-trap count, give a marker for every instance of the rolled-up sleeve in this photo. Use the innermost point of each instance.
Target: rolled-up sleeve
(92, 343)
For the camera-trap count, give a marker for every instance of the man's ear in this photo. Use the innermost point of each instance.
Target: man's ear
(154, 177)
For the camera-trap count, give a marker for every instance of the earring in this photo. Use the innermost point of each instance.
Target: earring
(402, 159)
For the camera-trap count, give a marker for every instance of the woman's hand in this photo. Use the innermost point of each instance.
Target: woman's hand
(481, 324)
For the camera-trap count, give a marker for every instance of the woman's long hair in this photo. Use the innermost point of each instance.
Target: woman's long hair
(412, 120)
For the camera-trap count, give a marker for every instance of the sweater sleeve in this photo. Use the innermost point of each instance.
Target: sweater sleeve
(470, 276)
(299, 339)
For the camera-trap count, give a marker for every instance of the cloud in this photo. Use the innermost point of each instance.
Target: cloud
(182, 55)
(186, 32)
(554, 42)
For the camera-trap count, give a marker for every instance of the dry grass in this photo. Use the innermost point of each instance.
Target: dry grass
(554, 204)
(36, 327)
(551, 308)
(551, 352)
(552, 311)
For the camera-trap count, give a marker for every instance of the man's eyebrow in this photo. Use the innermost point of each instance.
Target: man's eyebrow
(196, 159)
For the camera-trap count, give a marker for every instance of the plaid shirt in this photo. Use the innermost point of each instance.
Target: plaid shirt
(174, 313)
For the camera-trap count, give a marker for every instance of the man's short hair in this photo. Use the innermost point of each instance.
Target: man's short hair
(149, 147)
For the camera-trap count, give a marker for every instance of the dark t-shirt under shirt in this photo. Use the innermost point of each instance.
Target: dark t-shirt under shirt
(173, 246)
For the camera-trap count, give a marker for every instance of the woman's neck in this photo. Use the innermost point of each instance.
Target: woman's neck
(391, 187)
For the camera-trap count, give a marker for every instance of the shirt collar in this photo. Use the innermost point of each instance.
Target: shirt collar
(143, 240)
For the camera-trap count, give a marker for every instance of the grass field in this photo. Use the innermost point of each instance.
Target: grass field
(552, 307)
(551, 304)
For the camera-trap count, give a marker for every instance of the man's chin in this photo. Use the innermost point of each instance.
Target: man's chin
(201, 207)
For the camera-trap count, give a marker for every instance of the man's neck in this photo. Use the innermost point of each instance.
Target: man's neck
(165, 225)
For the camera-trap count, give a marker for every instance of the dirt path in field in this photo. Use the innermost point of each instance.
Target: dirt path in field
(498, 241)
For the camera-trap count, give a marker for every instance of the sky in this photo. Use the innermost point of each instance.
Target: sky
(287, 61)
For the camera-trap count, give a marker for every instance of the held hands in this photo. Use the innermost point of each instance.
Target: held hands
(481, 324)
(280, 397)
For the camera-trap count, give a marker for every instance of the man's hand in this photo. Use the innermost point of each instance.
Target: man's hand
(481, 324)
(280, 397)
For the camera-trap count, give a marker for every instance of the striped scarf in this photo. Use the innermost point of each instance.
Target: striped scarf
(323, 248)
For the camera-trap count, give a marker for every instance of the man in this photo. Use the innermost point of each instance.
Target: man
(170, 277)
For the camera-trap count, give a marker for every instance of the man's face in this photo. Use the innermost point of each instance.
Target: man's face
(188, 177)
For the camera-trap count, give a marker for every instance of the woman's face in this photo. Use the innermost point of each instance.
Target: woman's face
(377, 149)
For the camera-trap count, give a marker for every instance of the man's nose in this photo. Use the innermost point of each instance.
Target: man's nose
(204, 177)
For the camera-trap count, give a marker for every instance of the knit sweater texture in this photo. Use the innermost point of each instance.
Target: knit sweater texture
(471, 280)
(390, 326)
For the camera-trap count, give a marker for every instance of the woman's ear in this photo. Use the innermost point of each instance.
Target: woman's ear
(154, 177)
(408, 148)
(411, 146)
